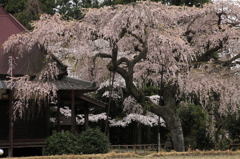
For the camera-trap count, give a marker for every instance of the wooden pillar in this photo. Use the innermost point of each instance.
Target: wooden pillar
(43, 150)
(73, 115)
(139, 133)
(10, 150)
(148, 135)
(86, 120)
(47, 119)
(58, 111)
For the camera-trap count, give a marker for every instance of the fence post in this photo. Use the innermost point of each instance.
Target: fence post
(144, 149)
(159, 144)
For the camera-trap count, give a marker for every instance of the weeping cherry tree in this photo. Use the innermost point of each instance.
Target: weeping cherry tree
(194, 51)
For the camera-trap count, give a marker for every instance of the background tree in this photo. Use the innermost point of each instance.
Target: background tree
(30, 13)
(27, 11)
(73, 9)
(232, 125)
(197, 3)
(69, 9)
(185, 2)
(48, 6)
(14, 7)
(194, 50)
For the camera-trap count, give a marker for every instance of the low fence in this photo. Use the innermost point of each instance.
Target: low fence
(138, 148)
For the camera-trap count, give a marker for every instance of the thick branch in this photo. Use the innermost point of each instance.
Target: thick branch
(123, 60)
(101, 55)
(220, 19)
(189, 31)
(209, 53)
(142, 54)
(229, 62)
(135, 36)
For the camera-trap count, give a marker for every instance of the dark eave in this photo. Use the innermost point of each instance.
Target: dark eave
(92, 100)
(65, 83)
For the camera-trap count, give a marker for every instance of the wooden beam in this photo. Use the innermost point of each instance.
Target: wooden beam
(58, 111)
(73, 115)
(93, 101)
(76, 102)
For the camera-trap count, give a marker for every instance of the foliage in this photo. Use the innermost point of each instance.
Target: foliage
(61, 143)
(30, 13)
(73, 9)
(87, 142)
(150, 90)
(194, 119)
(26, 11)
(167, 2)
(13, 7)
(185, 2)
(47, 6)
(69, 9)
(92, 141)
(232, 125)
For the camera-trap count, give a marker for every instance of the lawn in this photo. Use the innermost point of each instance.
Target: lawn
(198, 157)
(139, 157)
(162, 155)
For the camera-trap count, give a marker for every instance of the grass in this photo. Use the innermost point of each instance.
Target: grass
(162, 155)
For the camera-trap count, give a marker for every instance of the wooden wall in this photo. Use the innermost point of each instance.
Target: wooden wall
(4, 119)
(34, 127)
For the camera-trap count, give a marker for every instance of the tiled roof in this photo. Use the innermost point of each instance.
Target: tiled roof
(66, 83)
(69, 83)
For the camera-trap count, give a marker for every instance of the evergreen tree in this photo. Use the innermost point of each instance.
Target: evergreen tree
(48, 6)
(30, 13)
(13, 6)
(168, 2)
(185, 2)
(72, 9)
(30, 10)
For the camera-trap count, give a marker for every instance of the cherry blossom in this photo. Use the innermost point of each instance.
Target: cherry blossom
(193, 51)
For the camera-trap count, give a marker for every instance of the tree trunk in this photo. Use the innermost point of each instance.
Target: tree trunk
(171, 119)
(177, 136)
(167, 112)
(174, 125)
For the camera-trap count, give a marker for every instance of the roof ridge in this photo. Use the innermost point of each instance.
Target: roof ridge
(13, 19)
(2, 10)
(17, 22)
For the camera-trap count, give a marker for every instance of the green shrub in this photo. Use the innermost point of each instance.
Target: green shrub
(61, 143)
(193, 119)
(92, 141)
